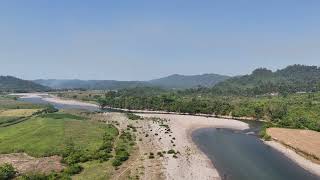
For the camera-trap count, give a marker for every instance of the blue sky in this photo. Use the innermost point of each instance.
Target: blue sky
(146, 39)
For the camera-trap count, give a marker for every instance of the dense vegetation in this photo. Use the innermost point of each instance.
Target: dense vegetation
(292, 79)
(12, 84)
(292, 110)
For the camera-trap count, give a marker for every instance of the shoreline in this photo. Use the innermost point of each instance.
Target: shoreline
(192, 162)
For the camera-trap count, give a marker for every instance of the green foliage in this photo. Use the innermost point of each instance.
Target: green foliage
(263, 132)
(7, 172)
(123, 147)
(132, 116)
(40, 176)
(50, 109)
(73, 169)
(295, 78)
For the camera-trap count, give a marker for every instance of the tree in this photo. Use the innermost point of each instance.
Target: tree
(102, 103)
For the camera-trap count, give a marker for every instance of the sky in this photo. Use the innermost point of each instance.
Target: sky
(147, 39)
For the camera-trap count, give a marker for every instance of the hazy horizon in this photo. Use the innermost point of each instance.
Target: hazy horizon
(144, 40)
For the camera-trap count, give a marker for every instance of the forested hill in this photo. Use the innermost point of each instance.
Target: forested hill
(12, 84)
(183, 82)
(89, 84)
(292, 79)
(170, 82)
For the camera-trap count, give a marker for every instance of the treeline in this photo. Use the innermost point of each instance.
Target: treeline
(293, 110)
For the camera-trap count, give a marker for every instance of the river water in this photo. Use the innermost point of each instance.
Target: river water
(238, 155)
(40, 100)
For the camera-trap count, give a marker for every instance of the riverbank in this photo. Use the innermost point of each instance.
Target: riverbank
(302, 146)
(191, 162)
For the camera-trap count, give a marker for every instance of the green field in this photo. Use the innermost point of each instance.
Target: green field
(90, 149)
(47, 134)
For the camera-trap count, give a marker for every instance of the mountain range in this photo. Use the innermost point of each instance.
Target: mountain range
(294, 78)
(170, 82)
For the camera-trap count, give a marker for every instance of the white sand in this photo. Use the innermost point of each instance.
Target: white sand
(300, 160)
(192, 163)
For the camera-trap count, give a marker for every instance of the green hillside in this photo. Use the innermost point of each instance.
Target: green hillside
(292, 79)
(183, 82)
(13, 84)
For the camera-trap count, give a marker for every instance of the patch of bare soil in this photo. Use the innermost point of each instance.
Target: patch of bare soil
(25, 163)
(305, 142)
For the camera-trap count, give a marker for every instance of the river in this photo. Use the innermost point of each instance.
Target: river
(238, 155)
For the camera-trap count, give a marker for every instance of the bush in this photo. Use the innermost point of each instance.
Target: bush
(35, 177)
(171, 151)
(73, 169)
(7, 171)
(116, 162)
(263, 133)
(122, 156)
(50, 109)
(38, 176)
(132, 116)
(160, 154)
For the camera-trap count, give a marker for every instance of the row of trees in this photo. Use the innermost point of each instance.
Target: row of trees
(293, 110)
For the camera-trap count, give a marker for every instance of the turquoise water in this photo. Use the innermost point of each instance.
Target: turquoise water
(239, 156)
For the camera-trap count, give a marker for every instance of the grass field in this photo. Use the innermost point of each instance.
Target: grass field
(95, 170)
(13, 112)
(47, 134)
(77, 136)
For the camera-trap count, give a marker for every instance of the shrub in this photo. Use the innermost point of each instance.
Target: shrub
(263, 133)
(132, 116)
(50, 109)
(7, 171)
(122, 156)
(171, 151)
(116, 162)
(73, 169)
(160, 154)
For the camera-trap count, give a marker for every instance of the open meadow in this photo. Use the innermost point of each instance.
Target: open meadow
(39, 141)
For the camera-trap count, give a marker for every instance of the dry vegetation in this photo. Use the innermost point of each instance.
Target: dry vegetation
(305, 142)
